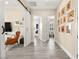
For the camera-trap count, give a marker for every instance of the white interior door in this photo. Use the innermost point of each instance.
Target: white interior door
(2, 46)
(45, 29)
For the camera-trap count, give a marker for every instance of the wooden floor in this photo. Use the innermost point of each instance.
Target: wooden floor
(38, 50)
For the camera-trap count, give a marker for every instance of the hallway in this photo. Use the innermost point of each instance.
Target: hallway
(42, 50)
(21, 21)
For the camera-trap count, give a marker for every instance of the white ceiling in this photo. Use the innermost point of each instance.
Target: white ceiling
(43, 4)
(10, 3)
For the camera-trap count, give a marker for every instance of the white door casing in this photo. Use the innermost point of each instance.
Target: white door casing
(2, 40)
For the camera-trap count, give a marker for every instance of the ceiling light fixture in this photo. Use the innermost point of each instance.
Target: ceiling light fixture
(6, 2)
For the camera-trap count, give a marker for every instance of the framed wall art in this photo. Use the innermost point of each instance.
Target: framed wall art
(68, 7)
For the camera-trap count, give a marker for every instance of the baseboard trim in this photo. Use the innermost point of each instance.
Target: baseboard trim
(64, 50)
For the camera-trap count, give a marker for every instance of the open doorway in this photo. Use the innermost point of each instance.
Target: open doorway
(37, 28)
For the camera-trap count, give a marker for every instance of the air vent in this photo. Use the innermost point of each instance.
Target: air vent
(32, 3)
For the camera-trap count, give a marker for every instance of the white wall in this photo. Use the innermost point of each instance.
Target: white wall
(68, 40)
(43, 12)
(45, 29)
(27, 27)
(2, 46)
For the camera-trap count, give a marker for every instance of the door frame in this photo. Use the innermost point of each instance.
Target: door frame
(2, 39)
(77, 21)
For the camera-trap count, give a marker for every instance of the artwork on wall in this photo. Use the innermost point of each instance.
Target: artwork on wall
(62, 28)
(71, 16)
(36, 31)
(17, 22)
(21, 22)
(68, 5)
(37, 26)
(63, 11)
(66, 16)
(51, 26)
(68, 28)
(64, 19)
(70, 19)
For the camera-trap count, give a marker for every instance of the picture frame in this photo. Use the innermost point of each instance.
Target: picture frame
(63, 11)
(64, 19)
(68, 28)
(71, 16)
(66, 15)
(62, 29)
(68, 7)
(17, 22)
(71, 13)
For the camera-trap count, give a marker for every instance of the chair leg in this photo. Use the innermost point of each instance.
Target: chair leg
(18, 44)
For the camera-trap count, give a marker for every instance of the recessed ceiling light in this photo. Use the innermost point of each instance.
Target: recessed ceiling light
(6, 2)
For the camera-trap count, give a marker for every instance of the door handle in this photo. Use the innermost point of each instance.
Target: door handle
(3, 30)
